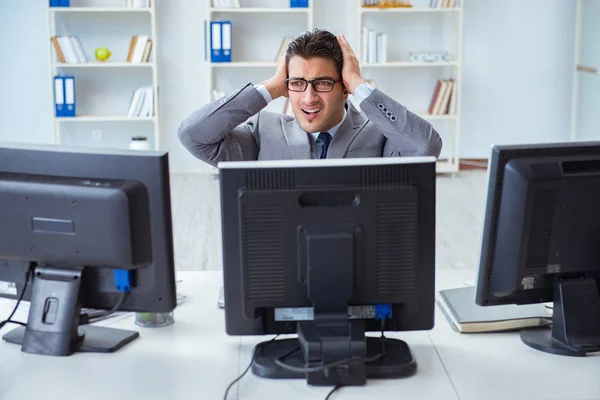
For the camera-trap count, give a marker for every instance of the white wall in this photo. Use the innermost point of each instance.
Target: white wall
(517, 73)
(518, 60)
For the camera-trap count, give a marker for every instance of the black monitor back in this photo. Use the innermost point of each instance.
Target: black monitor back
(542, 221)
(121, 177)
(269, 208)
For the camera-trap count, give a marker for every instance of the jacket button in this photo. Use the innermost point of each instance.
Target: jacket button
(393, 118)
(380, 106)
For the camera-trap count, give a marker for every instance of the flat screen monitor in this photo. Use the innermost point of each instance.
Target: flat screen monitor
(540, 240)
(328, 250)
(85, 228)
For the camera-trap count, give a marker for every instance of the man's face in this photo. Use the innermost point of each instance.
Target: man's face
(316, 111)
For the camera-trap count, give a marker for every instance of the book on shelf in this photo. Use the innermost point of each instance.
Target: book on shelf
(69, 49)
(386, 3)
(60, 3)
(220, 41)
(283, 47)
(226, 4)
(140, 48)
(465, 316)
(443, 101)
(443, 3)
(299, 3)
(64, 96)
(374, 46)
(138, 3)
(142, 103)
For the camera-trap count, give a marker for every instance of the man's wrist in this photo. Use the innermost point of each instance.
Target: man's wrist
(355, 83)
(273, 88)
(264, 92)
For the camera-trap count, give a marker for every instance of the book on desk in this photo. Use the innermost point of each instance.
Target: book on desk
(459, 308)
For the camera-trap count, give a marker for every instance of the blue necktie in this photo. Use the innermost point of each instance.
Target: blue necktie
(325, 138)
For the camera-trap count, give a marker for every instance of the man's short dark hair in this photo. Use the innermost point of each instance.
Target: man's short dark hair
(316, 43)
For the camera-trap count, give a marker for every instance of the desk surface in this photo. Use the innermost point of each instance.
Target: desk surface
(195, 359)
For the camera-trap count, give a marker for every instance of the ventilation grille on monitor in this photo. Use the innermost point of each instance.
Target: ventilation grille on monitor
(544, 202)
(396, 248)
(262, 246)
(384, 175)
(268, 179)
(545, 172)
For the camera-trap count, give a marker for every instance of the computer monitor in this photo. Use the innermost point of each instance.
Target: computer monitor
(71, 221)
(541, 240)
(324, 248)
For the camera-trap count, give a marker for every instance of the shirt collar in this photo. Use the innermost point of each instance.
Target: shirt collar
(332, 131)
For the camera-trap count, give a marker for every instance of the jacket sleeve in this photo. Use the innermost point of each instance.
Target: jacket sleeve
(406, 133)
(226, 129)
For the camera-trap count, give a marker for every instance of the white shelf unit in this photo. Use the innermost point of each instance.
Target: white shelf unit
(99, 120)
(244, 25)
(386, 74)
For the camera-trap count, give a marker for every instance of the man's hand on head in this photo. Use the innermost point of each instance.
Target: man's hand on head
(351, 68)
(276, 84)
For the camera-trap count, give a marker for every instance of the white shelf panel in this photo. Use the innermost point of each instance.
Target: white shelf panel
(407, 10)
(260, 10)
(243, 64)
(411, 64)
(100, 9)
(103, 118)
(104, 65)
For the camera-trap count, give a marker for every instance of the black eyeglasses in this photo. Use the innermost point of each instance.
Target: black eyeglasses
(319, 85)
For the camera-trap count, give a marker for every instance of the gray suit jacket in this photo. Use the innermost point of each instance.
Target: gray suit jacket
(235, 129)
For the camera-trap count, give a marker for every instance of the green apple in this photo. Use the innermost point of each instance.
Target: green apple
(102, 54)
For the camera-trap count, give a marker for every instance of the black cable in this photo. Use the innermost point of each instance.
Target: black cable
(99, 315)
(346, 361)
(104, 314)
(319, 368)
(256, 353)
(332, 391)
(9, 320)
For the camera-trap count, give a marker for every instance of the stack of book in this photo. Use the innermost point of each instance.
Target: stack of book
(374, 46)
(443, 100)
(142, 103)
(226, 3)
(283, 47)
(443, 3)
(139, 49)
(138, 3)
(69, 49)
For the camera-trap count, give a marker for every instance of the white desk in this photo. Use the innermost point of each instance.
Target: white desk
(195, 359)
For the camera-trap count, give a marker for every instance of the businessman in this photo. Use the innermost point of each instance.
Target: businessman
(318, 72)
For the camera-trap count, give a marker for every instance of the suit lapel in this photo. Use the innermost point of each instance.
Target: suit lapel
(297, 140)
(346, 133)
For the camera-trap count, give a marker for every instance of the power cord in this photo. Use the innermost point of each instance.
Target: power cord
(256, 354)
(27, 276)
(336, 388)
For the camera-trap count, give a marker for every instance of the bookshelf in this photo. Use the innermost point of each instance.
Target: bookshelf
(418, 28)
(104, 90)
(254, 22)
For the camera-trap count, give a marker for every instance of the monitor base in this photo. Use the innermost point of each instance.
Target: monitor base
(96, 339)
(575, 321)
(541, 339)
(397, 363)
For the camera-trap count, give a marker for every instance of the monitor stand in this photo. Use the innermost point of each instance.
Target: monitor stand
(53, 322)
(331, 337)
(575, 322)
